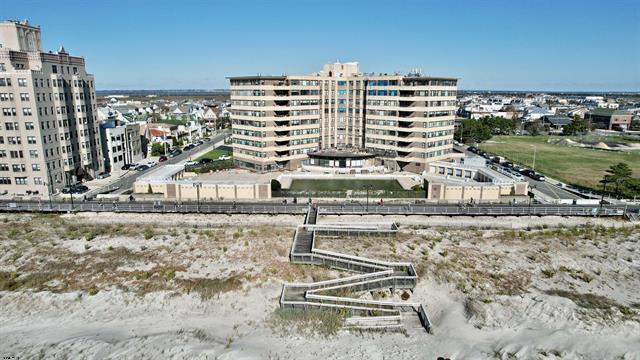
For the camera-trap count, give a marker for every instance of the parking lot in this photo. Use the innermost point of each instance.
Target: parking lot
(550, 192)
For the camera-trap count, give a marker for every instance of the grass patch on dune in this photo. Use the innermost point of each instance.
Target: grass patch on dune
(309, 322)
(210, 288)
(592, 301)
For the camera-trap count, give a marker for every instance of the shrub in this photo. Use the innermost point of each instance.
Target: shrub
(405, 296)
(92, 290)
(148, 233)
(275, 185)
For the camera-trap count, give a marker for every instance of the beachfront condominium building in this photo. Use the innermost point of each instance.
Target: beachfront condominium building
(49, 135)
(407, 121)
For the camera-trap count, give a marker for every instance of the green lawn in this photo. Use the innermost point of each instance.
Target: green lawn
(344, 184)
(214, 154)
(573, 165)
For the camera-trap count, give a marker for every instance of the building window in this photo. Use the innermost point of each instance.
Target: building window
(35, 167)
(33, 154)
(21, 181)
(22, 82)
(5, 180)
(37, 181)
(54, 69)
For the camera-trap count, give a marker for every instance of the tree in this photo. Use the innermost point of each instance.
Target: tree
(474, 131)
(534, 128)
(578, 126)
(617, 174)
(632, 187)
(158, 149)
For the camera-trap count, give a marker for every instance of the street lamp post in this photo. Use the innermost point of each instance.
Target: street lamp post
(604, 189)
(530, 197)
(367, 187)
(535, 149)
(197, 185)
(50, 190)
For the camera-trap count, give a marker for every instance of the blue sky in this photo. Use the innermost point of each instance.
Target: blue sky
(502, 44)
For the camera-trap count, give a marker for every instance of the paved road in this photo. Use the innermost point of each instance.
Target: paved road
(325, 208)
(126, 182)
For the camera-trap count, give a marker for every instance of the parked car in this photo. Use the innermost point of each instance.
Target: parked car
(142, 167)
(224, 157)
(199, 142)
(206, 161)
(103, 175)
(537, 176)
(473, 149)
(188, 147)
(175, 153)
(152, 163)
(75, 189)
(127, 166)
(79, 189)
(516, 175)
(525, 171)
(191, 163)
(162, 158)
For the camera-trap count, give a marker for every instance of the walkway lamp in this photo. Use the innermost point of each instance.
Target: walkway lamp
(367, 187)
(198, 185)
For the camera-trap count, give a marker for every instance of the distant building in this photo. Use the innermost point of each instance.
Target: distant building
(556, 123)
(121, 143)
(609, 119)
(533, 113)
(50, 134)
(406, 120)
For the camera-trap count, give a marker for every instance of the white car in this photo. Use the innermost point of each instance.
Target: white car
(191, 163)
(152, 163)
(224, 157)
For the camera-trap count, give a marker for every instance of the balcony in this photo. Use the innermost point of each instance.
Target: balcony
(282, 153)
(280, 123)
(405, 124)
(282, 133)
(281, 102)
(403, 153)
(405, 114)
(404, 144)
(406, 103)
(282, 142)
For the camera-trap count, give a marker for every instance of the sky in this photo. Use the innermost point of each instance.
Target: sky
(553, 45)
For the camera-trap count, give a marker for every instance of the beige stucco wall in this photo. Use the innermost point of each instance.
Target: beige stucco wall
(207, 191)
